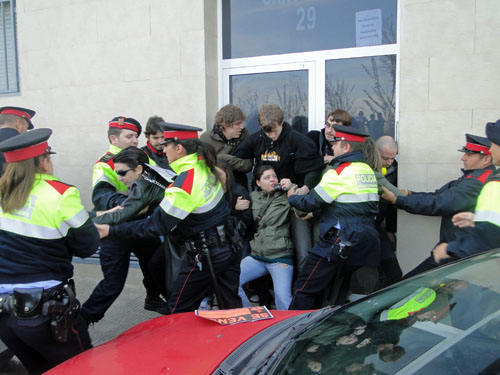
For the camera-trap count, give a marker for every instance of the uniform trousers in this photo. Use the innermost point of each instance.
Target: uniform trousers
(114, 256)
(315, 277)
(428, 264)
(193, 284)
(31, 341)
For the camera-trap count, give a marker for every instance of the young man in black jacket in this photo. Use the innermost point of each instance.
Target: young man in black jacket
(293, 156)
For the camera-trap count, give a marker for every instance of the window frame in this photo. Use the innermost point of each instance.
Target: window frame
(10, 59)
(314, 61)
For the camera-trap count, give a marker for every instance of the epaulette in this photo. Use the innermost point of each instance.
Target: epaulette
(341, 167)
(481, 175)
(185, 181)
(59, 186)
(108, 159)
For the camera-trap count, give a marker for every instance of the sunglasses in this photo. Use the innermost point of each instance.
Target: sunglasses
(124, 172)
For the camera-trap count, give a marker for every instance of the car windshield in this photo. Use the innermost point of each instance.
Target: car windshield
(443, 322)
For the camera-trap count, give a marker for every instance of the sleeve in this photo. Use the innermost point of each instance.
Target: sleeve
(308, 203)
(246, 215)
(445, 201)
(175, 207)
(105, 196)
(483, 237)
(308, 162)
(132, 205)
(382, 181)
(240, 165)
(246, 149)
(159, 223)
(82, 238)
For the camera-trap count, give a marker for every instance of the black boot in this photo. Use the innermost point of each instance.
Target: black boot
(156, 303)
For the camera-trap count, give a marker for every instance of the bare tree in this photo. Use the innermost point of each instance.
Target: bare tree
(292, 105)
(338, 94)
(383, 68)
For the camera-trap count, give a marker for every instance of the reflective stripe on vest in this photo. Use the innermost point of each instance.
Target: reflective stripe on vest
(354, 183)
(49, 213)
(488, 203)
(355, 198)
(103, 172)
(410, 305)
(28, 229)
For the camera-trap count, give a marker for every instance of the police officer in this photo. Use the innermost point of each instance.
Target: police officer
(107, 192)
(42, 225)
(13, 121)
(193, 215)
(455, 196)
(348, 197)
(123, 132)
(483, 227)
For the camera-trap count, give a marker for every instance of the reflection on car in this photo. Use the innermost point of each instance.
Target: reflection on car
(442, 322)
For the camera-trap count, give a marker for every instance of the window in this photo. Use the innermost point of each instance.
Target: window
(310, 57)
(8, 54)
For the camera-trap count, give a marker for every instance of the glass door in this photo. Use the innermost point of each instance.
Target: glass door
(288, 85)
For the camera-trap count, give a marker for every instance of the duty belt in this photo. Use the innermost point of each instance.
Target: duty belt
(214, 237)
(27, 303)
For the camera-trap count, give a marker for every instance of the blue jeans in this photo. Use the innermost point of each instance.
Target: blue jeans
(281, 274)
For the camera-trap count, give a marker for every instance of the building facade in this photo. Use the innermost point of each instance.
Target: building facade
(425, 71)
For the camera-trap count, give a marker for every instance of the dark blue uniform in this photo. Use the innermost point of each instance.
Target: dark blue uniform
(456, 196)
(349, 199)
(5, 133)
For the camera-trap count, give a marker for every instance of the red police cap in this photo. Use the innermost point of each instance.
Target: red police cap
(24, 113)
(475, 144)
(178, 132)
(128, 123)
(348, 133)
(26, 145)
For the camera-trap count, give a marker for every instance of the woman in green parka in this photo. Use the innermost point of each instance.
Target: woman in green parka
(271, 246)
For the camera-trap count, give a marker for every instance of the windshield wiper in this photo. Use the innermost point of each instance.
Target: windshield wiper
(256, 352)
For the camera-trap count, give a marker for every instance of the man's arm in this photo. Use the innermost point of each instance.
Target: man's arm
(105, 196)
(482, 237)
(461, 197)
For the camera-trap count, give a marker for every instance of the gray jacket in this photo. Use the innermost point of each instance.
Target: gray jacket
(223, 147)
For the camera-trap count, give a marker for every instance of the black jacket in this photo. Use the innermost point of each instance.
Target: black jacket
(158, 157)
(455, 196)
(322, 145)
(145, 195)
(293, 155)
(387, 211)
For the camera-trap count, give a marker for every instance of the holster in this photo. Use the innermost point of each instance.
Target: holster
(58, 303)
(62, 308)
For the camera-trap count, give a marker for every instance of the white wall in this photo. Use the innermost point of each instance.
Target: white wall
(83, 62)
(449, 86)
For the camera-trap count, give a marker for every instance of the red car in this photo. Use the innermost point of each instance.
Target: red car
(444, 322)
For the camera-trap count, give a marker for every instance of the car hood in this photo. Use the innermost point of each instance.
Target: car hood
(174, 344)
